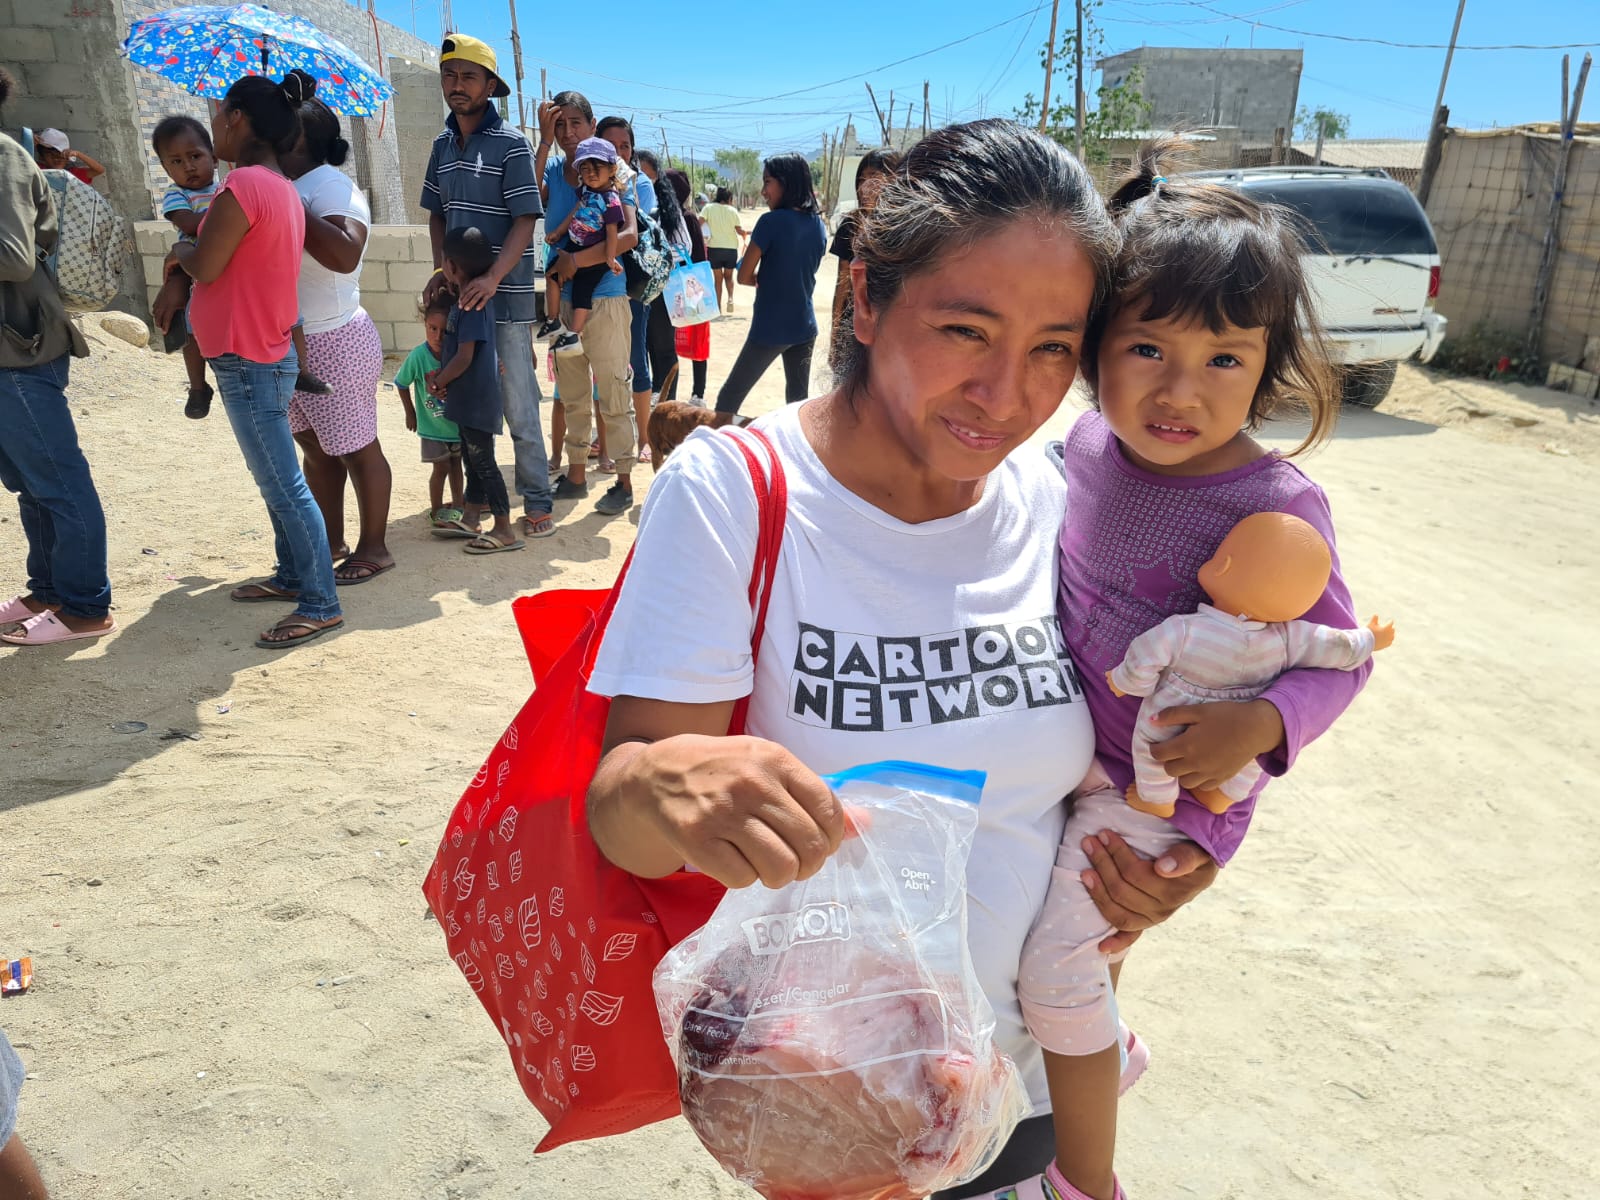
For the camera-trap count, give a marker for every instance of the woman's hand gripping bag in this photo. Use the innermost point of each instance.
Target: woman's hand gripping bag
(831, 1038)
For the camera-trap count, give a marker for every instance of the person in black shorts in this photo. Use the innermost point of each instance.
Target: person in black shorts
(723, 251)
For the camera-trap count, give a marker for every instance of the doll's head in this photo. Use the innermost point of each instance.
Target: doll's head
(1271, 567)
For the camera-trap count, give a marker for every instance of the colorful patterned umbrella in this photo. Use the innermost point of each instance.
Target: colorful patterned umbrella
(205, 49)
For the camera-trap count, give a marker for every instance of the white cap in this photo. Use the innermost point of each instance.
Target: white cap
(53, 138)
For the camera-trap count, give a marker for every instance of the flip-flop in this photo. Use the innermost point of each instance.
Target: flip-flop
(14, 610)
(542, 526)
(1135, 1058)
(485, 544)
(607, 466)
(266, 591)
(44, 629)
(455, 529)
(374, 570)
(444, 516)
(314, 631)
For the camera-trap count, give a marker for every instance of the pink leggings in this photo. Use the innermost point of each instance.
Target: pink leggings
(1064, 983)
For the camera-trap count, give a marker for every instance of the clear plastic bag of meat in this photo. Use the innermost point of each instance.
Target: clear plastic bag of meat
(831, 1038)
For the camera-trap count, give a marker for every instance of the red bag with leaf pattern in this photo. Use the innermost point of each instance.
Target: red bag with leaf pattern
(558, 943)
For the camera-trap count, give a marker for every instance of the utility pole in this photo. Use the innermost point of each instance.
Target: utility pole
(1077, 87)
(1049, 66)
(516, 58)
(1430, 156)
(924, 108)
(883, 126)
(1558, 187)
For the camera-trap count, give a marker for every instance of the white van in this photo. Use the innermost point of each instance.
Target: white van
(1372, 261)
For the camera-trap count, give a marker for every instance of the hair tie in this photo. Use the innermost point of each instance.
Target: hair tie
(1155, 184)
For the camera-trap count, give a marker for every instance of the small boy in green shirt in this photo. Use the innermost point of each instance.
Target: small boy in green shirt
(441, 440)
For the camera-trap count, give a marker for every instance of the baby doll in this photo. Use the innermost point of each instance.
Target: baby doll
(1269, 570)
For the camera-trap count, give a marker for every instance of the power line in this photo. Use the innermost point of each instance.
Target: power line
(874, 70)
(1371, 41)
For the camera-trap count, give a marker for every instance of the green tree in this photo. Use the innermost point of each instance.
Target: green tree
(1309, 120)
(742, 168)
(703, 176)
(1110, 112)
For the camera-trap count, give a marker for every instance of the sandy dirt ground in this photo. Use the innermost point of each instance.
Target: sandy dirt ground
(1391, 993)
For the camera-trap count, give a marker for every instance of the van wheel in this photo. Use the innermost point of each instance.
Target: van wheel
(1364, 385)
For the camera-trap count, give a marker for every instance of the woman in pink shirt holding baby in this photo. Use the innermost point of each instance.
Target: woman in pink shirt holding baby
(246, 268)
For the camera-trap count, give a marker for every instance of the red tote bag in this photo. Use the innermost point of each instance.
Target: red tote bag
(558, 943)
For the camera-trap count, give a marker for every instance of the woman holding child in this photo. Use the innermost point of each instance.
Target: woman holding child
(916, 517)
(246, 267)
(338, 431)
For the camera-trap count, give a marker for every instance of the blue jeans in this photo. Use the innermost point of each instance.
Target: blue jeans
(61, 515)
(520, 398)
(639, 354)
(256, 398)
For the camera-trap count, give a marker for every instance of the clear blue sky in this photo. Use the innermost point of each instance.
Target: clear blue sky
(722, 74)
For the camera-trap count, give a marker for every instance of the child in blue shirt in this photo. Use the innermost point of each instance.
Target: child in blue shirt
(441, 439)
(597, 217)
(469, 385)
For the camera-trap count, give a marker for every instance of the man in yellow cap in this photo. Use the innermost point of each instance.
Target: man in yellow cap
(458, 47)
(480, 174)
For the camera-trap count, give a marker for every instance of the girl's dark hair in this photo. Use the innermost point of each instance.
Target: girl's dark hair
(575, 100)
(619, 123)
(170, 127)
(958, 185)
(1200, 252)
(881, 159)
(442, 302)
(723, 196)
(793, 174)
(469, 249)
(323, 141)
(272, 108)
(681, 190)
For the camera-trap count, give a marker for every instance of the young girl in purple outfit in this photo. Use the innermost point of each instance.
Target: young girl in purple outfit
(1209, 332)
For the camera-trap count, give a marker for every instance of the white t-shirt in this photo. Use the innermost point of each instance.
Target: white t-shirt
(936, 643)
(327, 299)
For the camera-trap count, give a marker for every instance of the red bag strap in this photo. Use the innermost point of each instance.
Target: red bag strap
(772, 503)
(772, 495)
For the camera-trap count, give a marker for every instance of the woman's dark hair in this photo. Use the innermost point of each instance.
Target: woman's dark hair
(793, 174)
(681, 189)
(575, 100)
(723, 196)
(469, 249)
(323, 141)
(669, 214)
(1198, 252)
(647, 159)
(619, 123)
(272, 108)
(6, 84)
(958, 185)
(881, 160)
(170, 127)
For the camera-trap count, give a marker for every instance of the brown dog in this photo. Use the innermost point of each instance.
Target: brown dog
(670, 422)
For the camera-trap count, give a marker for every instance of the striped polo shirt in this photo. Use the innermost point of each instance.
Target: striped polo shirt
(488, 183)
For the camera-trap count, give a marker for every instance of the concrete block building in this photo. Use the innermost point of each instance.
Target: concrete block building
(1253, 91)
(71, 75)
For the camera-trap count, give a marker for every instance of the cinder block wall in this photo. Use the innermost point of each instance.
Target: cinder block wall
(397, 264)
(64, 54)
(1254, 90)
